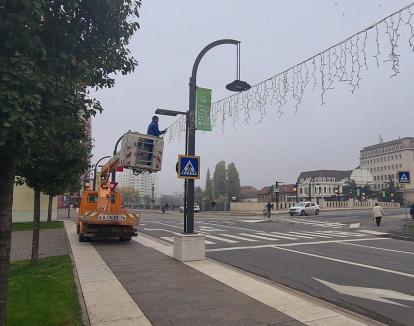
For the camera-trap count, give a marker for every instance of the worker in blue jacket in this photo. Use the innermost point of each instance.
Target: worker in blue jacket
(153, 129)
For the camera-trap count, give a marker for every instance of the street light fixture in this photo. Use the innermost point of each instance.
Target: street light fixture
(171, 113)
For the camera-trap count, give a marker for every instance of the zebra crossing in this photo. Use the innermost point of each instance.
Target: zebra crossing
(217, 236)
(294, 220)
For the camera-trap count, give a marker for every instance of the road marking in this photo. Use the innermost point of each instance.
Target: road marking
(293, 235)
(169, 239)
(372, 232)
(369, 293)
(259, 237)
(343, 233)
(315, 234)
(321, 222)
(173, 226)
(346, 262)
(299, 234)
(276, 236)
(240, 238)
(209, 229)
(150, 229)
(333, 225)
(354, 225)
(295, 244)
(251, 221)
(219, 238)
(379, 248)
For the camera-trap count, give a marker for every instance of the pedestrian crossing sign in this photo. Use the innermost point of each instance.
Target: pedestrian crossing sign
(404, 177)
(188, 167)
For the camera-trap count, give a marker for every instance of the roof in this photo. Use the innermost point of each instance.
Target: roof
(337, 174)
(391, 142)
(248, 191)
(287, 188)
(282, 189)
(265, 191)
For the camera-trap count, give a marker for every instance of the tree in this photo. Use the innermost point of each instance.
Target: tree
(55, 165)
(198, 195)
(64, 47)
(219, 179)
(232, 181)
(391, 194)
(349, 190)
(209, 195)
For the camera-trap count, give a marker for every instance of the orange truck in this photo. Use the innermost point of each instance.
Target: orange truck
(101, 213)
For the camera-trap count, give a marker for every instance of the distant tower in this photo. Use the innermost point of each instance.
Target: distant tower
(380, 140)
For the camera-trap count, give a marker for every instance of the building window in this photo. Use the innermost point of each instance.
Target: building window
(324, 190)
(301, 191)
(375, 187)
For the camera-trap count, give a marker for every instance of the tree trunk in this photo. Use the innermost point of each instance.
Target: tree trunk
(49, 209)
(7, 176)
(36, 226)
(70, 200)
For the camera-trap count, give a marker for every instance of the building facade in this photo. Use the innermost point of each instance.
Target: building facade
(322, 184)
(142, 183)
(386, 159)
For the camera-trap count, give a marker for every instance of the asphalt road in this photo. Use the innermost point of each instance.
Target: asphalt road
(357, 268)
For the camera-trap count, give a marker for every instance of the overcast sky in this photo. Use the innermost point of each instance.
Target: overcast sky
(274, 35)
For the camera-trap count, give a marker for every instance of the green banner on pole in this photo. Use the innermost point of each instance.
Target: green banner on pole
(203, 121)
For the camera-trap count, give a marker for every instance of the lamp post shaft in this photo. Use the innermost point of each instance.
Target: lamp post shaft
(189, 204)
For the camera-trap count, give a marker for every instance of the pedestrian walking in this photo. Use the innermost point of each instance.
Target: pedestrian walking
(213, 206)
(412, 211)
(269, 209)
(377, 213)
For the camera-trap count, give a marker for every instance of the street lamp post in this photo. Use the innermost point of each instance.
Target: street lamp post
(94, 172)
(237, 86)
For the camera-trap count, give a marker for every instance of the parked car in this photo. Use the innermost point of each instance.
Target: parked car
(196, 208)
(304, 208)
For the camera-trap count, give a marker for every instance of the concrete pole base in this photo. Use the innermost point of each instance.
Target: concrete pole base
(189, 247)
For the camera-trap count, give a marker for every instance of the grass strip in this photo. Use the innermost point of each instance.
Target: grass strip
(43, 295)
(26, 226)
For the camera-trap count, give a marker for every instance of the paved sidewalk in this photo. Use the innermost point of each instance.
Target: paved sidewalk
(139, 283)
(107, 303)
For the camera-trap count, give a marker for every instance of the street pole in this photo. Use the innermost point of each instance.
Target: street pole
(189, 220)
(94, 172)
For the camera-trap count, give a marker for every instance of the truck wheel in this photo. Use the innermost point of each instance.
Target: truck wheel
(125, 238)
(317, 212)
(82, 238)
